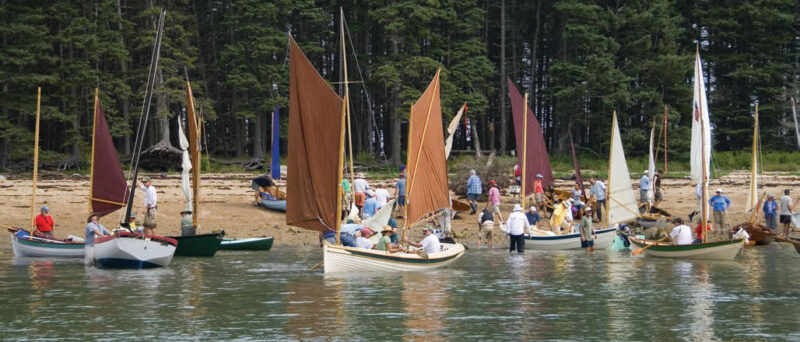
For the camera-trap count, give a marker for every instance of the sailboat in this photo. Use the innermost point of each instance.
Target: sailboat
(279, 203)
(759, 234)
(23, 243)
(652, 216)
(534, 160)
(128, 249)
(700, 162)
(200, 245)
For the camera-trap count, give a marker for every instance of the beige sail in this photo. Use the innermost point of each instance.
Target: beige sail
(621, 203)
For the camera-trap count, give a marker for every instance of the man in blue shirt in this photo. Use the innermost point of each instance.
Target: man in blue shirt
(370, 205)
(720, 203)
(400, 191)
(771, 212)
(473, 191)
(644, 187)
(598, 191)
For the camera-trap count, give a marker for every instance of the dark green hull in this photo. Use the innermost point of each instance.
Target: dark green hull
(203, 245)
(254, 244)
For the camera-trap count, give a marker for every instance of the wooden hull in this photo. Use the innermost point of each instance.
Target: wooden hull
(722, 250)
(277, 205)
(203, 245)
(605, 238)
(42, 248)
(136, 251)
(252, 244)
(341, 259)
(655, 217)
(759, 234)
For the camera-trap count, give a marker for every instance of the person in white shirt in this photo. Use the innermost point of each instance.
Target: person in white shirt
(430, 244)
(516, 225)
(382, 196)
(360, 184)
(150, 205)
(681, 234)
(362, 239)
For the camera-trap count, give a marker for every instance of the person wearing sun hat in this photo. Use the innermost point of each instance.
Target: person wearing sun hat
(44, 224)
(385, 242)
(720, 203)
(93, 230)
(516, 226)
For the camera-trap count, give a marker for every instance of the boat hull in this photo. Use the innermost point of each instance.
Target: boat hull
(202, 245)
(137, 251)
(721, 250)
(605, 238)
(40, 248)
(252, 244)
(341, 259)
(277, 205)
(655, 217)
(759, 234)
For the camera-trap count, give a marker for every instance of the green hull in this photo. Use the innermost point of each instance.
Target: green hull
(204, 245)
(254, 244)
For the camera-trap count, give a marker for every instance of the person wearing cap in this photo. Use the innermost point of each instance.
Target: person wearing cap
(681, 234)
(150, 205)
(400, 191)
(362, 238)
(720, 203)
(538, 191)
(44, 224)
(588, 234)
(494, 200)
(516, 226)
(370, 205)
(93, 230)
(786, 211)
(474, 190)
(598, 192)
(533, 216)
(485, 227)
(385, 242)
(187, 223)
(132, 223)
(657, 186)
(644, 186)
(430, 244)
(771, 212)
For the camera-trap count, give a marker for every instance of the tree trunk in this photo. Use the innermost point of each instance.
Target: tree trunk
(162, 113)
(503, 91)
(123, 67)
(258, 137)
(397, 117)
(475, 139)
(534, 46)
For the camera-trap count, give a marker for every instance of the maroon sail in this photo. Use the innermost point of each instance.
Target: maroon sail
(108, 190)
(537, 160)
(578, 178)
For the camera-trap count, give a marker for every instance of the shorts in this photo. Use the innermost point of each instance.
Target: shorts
(150, 219)
(485, 233)
(494, 208)
(401, 200)
(586, 244)
(659, 195)
(786, 218)
(518, 180)
(473, 197)
(539, 197)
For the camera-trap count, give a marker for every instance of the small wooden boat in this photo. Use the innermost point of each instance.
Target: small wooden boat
(339, 258)
(277, 204)
(654, 217)
(251, 244)
(605, 238)
(759, 234)
(202, 245)
(25, 245)
(720, 250)
(134, 250)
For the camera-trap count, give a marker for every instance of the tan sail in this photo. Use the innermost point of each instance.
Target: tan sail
(194, 151)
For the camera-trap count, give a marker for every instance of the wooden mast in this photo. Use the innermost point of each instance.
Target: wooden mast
(606, 216)
(345, 117)
(754, 173)
(36, 154)
(91, 166)
(665, 138)
(347, 99)
(194, 150)
(704, 204)
(524, 149)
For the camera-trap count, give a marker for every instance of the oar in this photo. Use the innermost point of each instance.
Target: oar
(316, 266)
(638, 251)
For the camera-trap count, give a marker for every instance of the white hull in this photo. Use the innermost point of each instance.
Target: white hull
(605, 238)
(359, 260)
(133, 252)
(713, 251)
(40, 248)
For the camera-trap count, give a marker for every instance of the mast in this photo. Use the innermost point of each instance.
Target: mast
(794, 116)
(524, 147)
(606, 215)
(665, 139)
(751, 199)
(347, 99)
(36, 153)
(145, 113)
(194, 150)
(704, 206)
(94, 137)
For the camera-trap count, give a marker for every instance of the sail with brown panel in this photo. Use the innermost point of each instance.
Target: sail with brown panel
(108, 189)
(538, 162)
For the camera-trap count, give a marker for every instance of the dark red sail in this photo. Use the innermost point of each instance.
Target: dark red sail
(537, 160)
(108, 189)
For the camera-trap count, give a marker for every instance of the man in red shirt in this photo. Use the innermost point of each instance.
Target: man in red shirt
(44, 225)
(699, 231)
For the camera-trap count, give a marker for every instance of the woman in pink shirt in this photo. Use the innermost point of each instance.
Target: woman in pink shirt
(494, 200)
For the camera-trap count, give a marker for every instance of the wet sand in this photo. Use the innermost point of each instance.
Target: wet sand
(226, 203)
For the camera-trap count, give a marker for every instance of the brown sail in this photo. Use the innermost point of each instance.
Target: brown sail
(537, 160)
(315, 129)
(108, 189)
(427, 172)
(194, 150)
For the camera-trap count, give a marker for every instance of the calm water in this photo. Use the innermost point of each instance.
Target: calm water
(487, 295)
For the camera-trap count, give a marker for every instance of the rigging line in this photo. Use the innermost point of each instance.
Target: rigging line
(378, 136)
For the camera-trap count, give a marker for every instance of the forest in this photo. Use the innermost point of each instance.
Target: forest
(579, 60)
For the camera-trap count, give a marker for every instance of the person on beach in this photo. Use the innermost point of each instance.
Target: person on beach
(430, 244)
(644, 186)
(150, 205)
(494, 200)
(382, 196)
(533, 217)
(93, 230)
(265, 188)
(474, 190)
(657, 185)
(370, 205)
(400, 192)
(681, 234)
(44, 224)
(485, 227)
(720, 203)
(698, 231)
(576, 196)
(538, 191)
(771, 213)
(187, 223)
(588, 234)
(516, 226)
(360, 187)
(346, 197)
(598, 192)
(786, 212)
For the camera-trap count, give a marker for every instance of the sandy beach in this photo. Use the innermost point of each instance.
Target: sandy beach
(226, 203)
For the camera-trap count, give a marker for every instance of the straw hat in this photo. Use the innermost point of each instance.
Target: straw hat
(386, 229)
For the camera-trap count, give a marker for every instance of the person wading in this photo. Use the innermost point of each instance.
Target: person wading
(786, 212)
(516, 226)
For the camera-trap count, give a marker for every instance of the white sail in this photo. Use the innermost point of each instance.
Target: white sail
(700, 136)
(752, 196)
(796, 128)
(451, 129)
(651, 170)
(381, 218)
(186, 165)
(621, 202)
